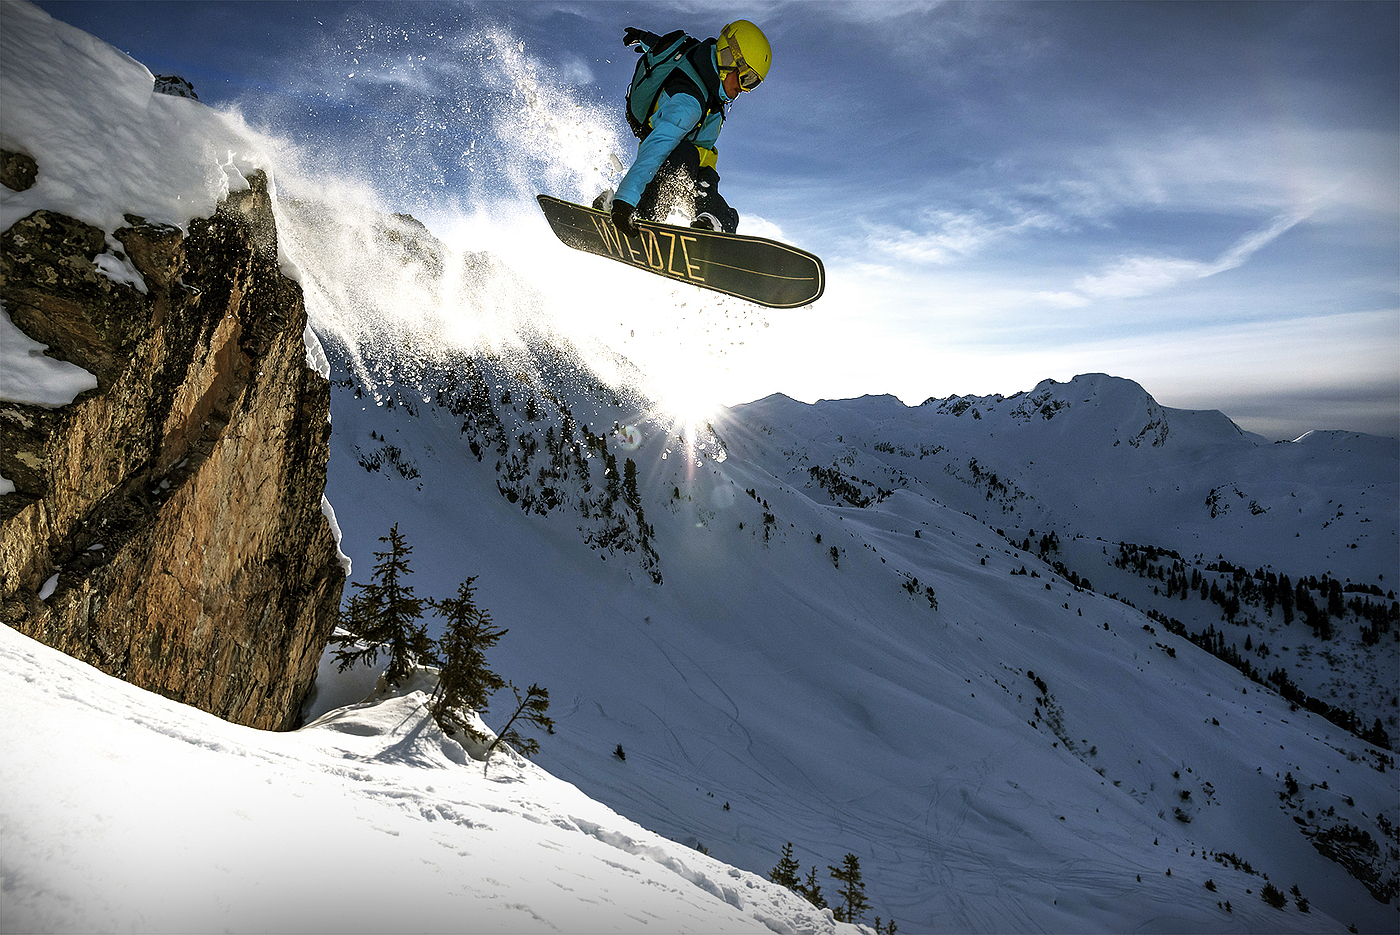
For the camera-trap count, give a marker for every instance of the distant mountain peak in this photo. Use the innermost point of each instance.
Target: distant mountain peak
(1114, 409)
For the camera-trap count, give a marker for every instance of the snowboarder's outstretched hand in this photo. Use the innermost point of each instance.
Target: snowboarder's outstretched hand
(634, 36)
(624, 216)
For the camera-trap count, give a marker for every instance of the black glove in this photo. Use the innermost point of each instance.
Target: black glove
(633, 36)
(624, 217)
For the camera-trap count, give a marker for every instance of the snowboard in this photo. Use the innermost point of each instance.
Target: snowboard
(763, 271)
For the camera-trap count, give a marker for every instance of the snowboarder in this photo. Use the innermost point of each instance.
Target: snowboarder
(676, 106)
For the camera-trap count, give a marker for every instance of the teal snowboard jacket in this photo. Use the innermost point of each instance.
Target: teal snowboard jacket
(680, 115)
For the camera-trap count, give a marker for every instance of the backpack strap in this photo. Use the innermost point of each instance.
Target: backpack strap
(659, 58)
(705, 78)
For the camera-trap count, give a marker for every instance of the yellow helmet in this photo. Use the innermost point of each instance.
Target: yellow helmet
(743, 47)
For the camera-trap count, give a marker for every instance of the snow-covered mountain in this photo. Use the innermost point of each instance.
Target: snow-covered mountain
(824, 624)
(1122, 484)
(932, 637)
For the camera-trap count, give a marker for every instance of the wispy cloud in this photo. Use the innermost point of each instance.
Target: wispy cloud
(1228, 170)
(1139, 275)
(1137, 184)
(946, 236)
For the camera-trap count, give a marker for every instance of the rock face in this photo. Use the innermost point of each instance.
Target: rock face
(175, 86)
(167, 527)
(17, 170)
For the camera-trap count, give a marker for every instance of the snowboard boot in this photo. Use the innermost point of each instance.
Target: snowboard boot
(705, 222)
(604, 200)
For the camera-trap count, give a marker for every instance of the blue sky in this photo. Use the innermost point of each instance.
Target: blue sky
(1201, 197)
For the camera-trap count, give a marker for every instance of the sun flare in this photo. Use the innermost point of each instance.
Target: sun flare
(690, 407)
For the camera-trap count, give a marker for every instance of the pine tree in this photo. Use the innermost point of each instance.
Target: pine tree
(529, 708)
(465, 679)
(852, 891)
(811, 890)
(785, 874)
(384, 617)
(629, 484)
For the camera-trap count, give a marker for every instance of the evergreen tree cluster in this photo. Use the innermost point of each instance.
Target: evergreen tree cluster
(1262, 588)
(911, 584)
(839, 487)
(392, 454)
(1266, 589)
(995, 488)
(852, 904)
(619, 487)
(1045, 546)
(386, 617)
(1213, 642)
(540, 476)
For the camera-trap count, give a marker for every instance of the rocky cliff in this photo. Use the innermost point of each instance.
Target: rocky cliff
(167, 527)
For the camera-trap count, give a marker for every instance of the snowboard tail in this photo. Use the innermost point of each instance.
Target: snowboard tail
(763, 271)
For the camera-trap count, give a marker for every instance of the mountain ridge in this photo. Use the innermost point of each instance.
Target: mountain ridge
(1033, 425)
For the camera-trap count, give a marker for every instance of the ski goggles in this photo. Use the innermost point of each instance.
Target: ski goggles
(731, 60)
(748, 78)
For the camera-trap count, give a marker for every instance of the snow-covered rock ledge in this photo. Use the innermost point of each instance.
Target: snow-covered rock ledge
(163, 435)
(166, 525)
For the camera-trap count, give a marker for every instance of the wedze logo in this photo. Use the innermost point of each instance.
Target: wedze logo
(658, 249)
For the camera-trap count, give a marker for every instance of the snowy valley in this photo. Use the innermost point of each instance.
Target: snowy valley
(800, 629)
(1032, 659)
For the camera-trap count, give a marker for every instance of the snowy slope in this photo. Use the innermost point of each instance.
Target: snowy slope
(1098, 462)
(829, 703)
(125, 811)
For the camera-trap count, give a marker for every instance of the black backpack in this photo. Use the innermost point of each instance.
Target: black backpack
(668, 53)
